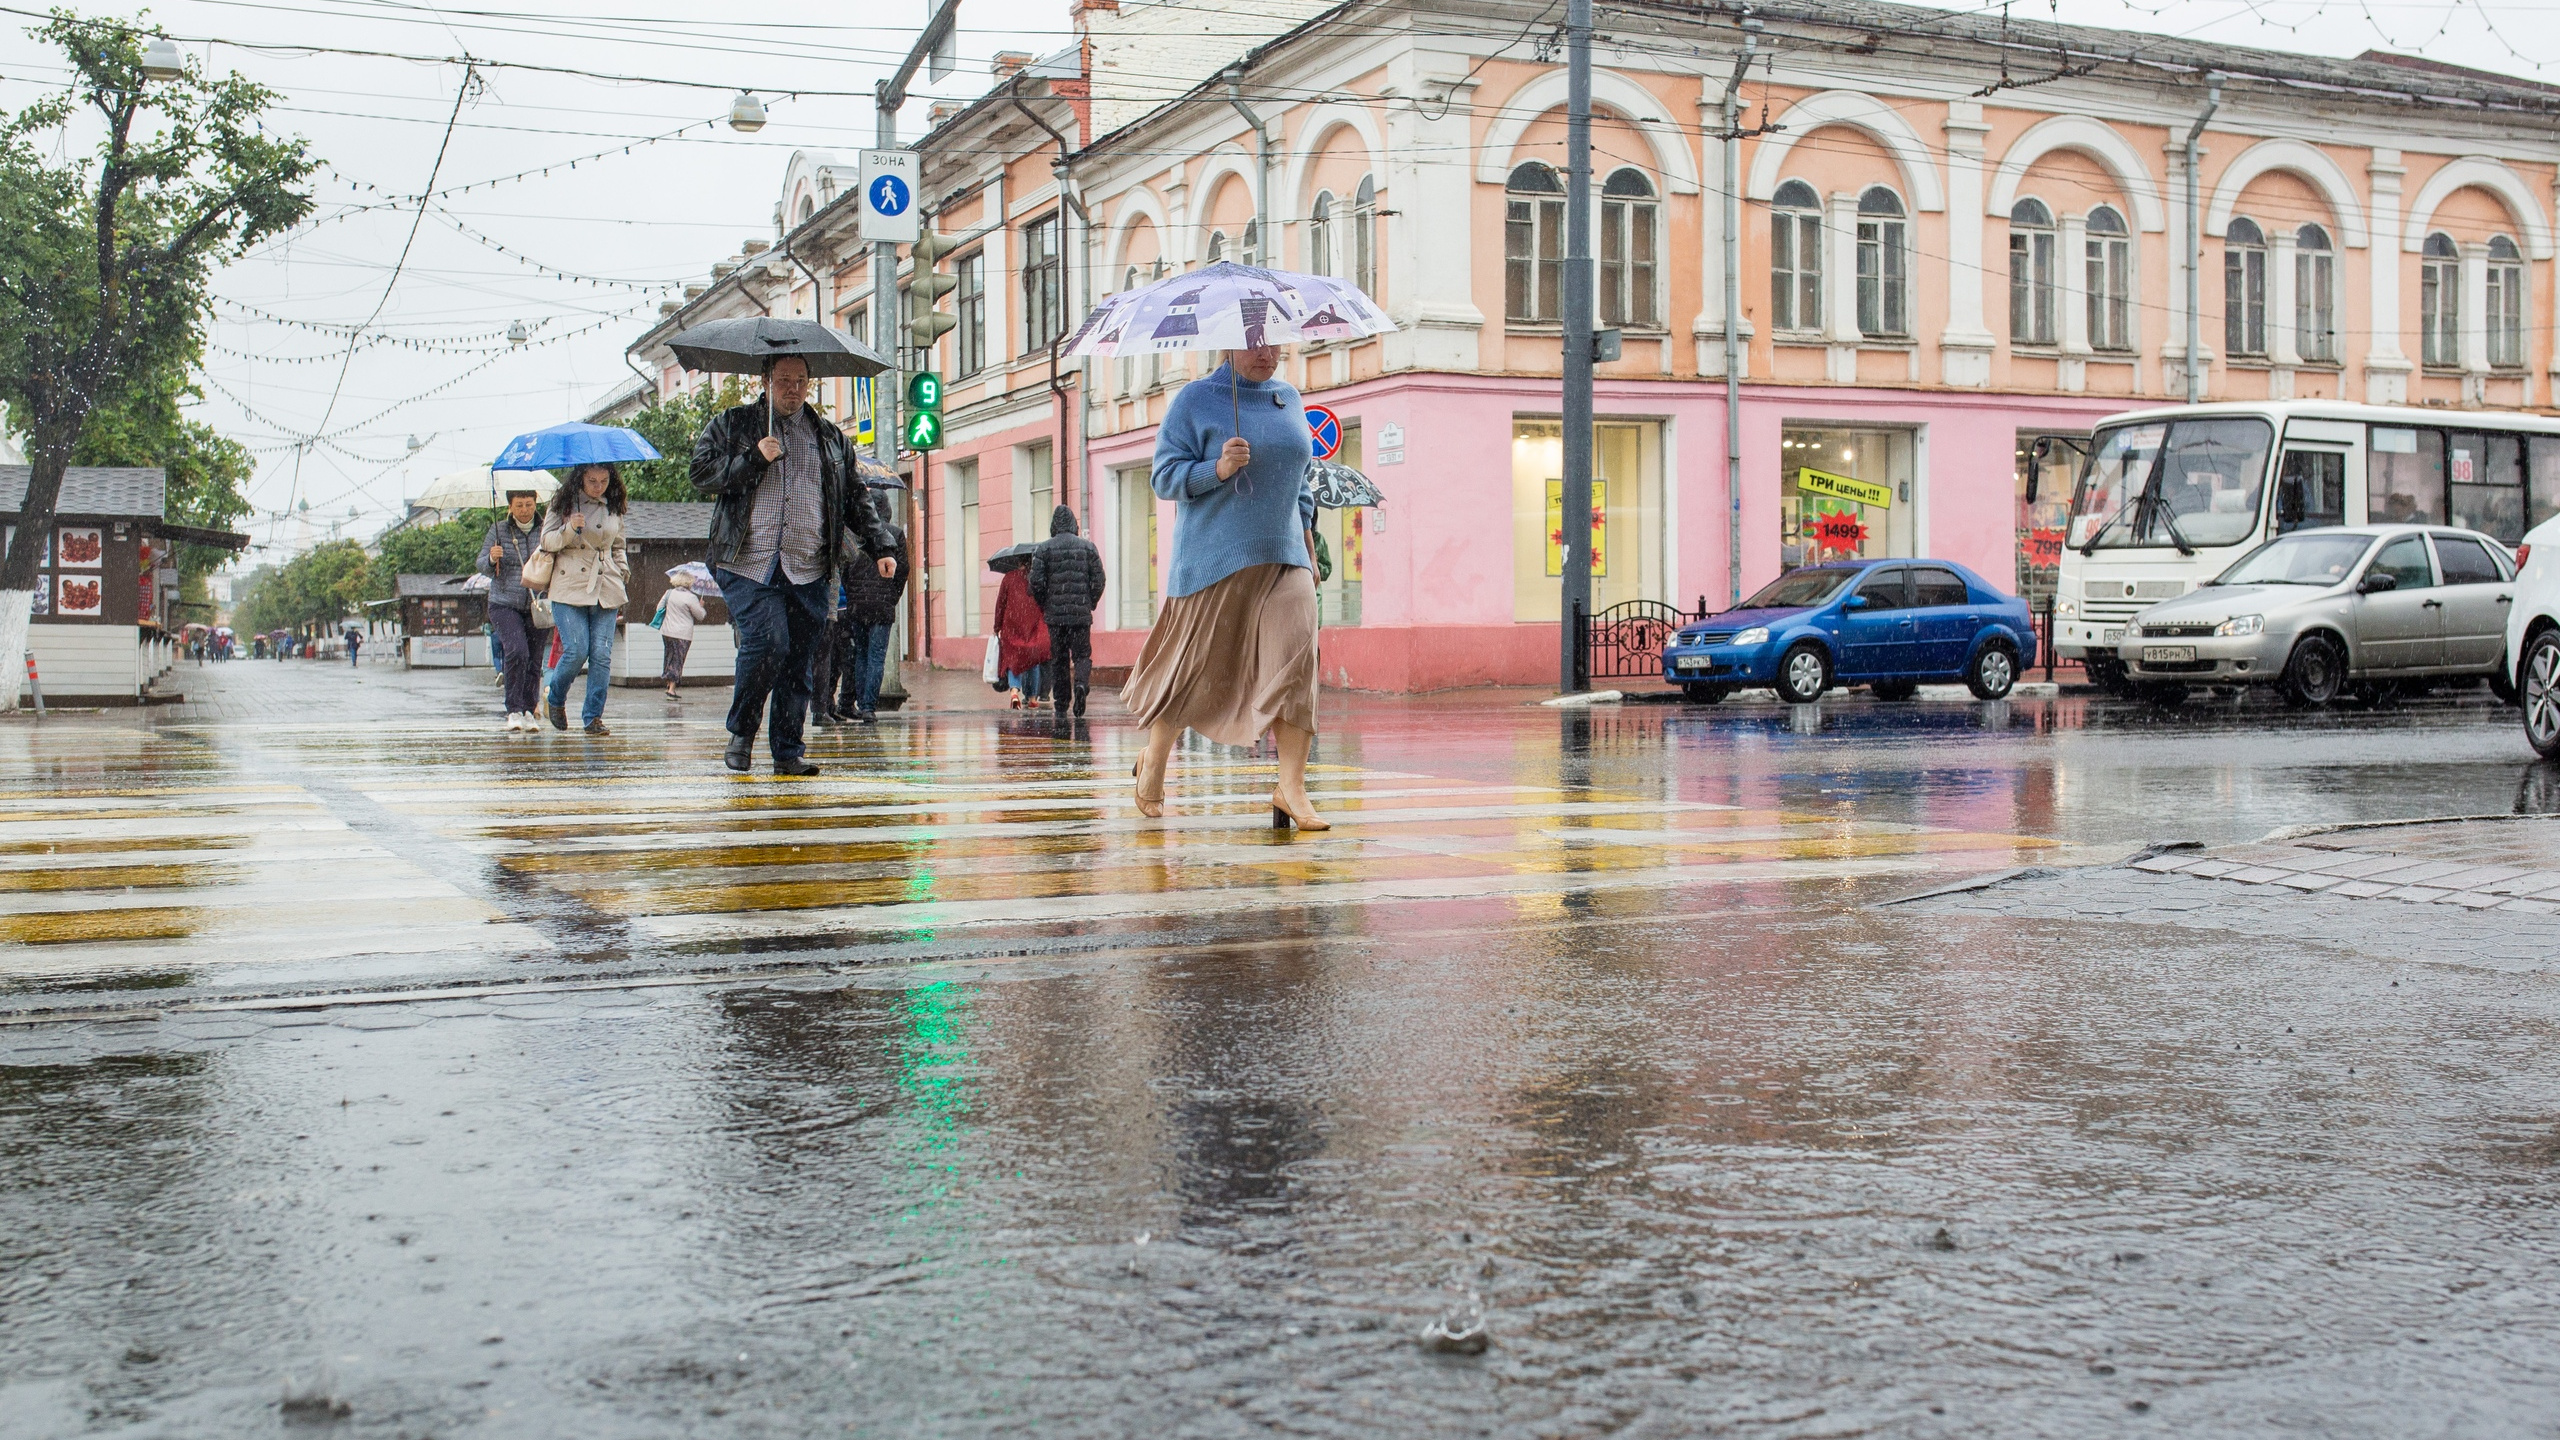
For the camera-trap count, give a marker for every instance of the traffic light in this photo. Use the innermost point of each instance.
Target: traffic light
(928, 285)
(923, 430)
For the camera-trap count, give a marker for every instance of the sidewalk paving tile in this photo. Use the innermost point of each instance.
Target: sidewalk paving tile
(2307, 882)
(2417, 892)
(2359, 889)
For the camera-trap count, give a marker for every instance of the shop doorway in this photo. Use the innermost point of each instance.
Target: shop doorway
(1627, 560)
(2041, 522)
(1845, 494)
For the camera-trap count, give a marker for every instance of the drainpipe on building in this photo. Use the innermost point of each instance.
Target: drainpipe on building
(2195, 243)
(1064, 169)
(1261, 165)
(1733, 355)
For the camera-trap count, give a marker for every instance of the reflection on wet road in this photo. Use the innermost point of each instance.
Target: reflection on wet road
(1586, 1019)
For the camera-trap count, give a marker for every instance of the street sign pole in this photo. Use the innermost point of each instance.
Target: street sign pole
(1576, 520)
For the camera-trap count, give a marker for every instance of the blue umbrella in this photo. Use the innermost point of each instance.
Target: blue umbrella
(575, 443)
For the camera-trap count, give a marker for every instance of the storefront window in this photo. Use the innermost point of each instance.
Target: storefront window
(1627, 562)
(1843, 494)
(2041, 524)
(1133, 568)
(1338, 599)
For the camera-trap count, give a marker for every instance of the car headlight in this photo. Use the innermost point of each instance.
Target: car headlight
(1756, 635)
(2242, 625)
(2066, 609)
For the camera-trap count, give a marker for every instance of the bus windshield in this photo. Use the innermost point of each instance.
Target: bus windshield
(2162, 483)
(2305, 557)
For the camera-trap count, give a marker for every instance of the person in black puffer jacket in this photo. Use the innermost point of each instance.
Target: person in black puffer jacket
(1067, 580)
(870, 611)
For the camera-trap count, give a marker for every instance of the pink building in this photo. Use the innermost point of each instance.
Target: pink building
(1955, 234)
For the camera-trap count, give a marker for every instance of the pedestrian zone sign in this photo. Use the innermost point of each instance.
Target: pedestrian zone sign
(889, 196)
(865, 431)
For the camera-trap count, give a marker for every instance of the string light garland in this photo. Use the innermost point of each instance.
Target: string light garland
(648, 287)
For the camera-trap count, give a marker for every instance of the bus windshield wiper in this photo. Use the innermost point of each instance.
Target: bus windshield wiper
(2169, 521)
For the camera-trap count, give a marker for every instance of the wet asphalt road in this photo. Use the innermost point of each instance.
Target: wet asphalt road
(1189, 1132)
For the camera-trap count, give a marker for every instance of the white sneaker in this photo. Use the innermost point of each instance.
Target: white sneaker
(515, 720)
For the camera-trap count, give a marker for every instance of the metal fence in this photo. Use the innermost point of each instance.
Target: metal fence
(1624, 642)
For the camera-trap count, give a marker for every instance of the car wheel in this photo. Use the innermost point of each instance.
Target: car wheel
(2314, 673)
(1993, 673)
(1705, 694)
(1804, 672)
(1894, 689)
(2540, 693)
(2502, 682)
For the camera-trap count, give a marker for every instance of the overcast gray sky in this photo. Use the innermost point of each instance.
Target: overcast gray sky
(658, 216)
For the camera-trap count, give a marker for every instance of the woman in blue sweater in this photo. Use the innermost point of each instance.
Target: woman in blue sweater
(1233, 654)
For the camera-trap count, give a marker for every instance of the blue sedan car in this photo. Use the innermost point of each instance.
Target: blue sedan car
(1886, 624)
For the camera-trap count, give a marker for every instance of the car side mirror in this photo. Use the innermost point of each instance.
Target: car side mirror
(1854, 602)
(2377, 581)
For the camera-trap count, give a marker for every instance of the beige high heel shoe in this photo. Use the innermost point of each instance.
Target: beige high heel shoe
(1282, 817)
(1151, 806)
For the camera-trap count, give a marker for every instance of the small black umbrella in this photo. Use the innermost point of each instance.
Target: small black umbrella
(1011, 557)
(742, 345)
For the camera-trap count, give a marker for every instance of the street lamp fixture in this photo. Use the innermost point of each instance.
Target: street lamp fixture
(517, 334)
(746, 113)
(161, 60)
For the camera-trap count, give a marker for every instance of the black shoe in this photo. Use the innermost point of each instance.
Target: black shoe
(559, 714)
(742, 753)
(865, 717)
(1080, 694)
(825, 720)
(794, 767)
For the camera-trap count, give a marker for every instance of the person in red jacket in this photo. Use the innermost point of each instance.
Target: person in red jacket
(1022, 636)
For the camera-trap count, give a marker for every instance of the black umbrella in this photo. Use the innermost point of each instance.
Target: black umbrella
(1012, 557)
(742, 345)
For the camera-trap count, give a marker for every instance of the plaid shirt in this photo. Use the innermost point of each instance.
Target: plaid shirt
(787, 516)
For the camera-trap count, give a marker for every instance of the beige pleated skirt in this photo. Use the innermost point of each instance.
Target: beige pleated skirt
(1229, 660)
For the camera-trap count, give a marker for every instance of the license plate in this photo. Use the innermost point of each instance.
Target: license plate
(2111, 637)
(2167, 654)
(1691, 662)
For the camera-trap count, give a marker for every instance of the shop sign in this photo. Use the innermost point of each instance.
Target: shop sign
(1839, 530)
(1390, 444)
(2044, 547)
(1842, 487)
(80, 595)
(79, 549)
(1599, 528)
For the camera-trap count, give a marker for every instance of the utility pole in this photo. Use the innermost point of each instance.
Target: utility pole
(1578, 342)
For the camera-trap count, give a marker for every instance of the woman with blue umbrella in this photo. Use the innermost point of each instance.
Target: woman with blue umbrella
(589, 564)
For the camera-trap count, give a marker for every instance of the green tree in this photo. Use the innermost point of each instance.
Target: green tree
(317, 587)
(670, 424)
(206, 469)
(106, 256)
(452, 548)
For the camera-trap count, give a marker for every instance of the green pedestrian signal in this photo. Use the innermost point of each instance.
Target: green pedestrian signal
(924, 391)
(924, 429)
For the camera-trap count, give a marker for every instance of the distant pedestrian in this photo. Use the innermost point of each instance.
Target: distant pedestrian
(870, 615)
(1234, 652)
(589, 568)
(1022, 637)
(1067, 580)
(355, 644)
(675, 632)
(783, 480)
(512, 539)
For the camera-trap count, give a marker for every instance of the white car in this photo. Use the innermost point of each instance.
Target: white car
(2533, 635)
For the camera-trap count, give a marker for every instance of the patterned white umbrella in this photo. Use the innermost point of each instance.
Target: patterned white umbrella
(1227, 306)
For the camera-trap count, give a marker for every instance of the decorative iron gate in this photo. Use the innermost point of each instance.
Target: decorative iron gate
(1624, 642)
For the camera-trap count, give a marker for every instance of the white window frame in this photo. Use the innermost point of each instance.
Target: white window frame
(2108, 242)
(2034, 282)
(1795, 261)
(1884, 265)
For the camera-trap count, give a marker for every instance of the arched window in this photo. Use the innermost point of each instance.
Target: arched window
(2244, 289)
(1217, 246)
(1320, 235)
(2315, 294)
(2440, 301)
(1364, 237)
(2030, 273)
(1533, 245)
(2506, 302)
(1795, 257)
(808, 207)
(1884, 280)
(1630, 247)
(1252, 241)
(2110, 247)
(1127, 369)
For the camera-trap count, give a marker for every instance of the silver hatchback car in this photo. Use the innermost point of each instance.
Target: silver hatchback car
(2314, 611)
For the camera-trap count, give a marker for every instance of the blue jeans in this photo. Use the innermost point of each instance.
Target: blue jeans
(779, 627)
(870, 661)
(586, 637)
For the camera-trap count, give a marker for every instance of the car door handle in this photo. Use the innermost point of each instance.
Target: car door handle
(2506, 599)
(2431, 604)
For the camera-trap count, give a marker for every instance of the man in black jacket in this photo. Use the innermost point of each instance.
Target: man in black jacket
(1067, 580)
(870, 613)
(782, 480)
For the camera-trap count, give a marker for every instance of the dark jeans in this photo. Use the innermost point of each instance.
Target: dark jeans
(832, 670)
(1070, 661)
(512, 631)
(780, 627)
(868, 661)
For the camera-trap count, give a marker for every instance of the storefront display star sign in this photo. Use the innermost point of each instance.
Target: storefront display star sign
(1839, 530)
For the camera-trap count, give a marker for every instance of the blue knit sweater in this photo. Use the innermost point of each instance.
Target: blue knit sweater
(1258, 518)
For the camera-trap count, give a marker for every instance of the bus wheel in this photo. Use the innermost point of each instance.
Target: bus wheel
(2314, 674)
